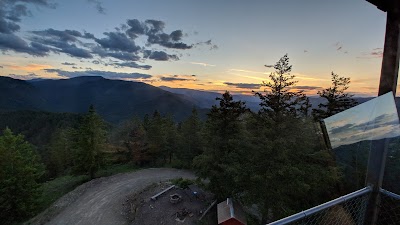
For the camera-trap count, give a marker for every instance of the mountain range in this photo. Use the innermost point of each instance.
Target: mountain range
(114, 100)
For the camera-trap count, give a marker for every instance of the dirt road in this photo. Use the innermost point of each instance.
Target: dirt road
(102, 203)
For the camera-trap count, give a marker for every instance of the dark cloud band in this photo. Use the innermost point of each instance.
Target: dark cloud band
(244, 85)
(105, 74)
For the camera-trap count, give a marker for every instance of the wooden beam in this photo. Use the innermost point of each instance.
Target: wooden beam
(391, 55)
(388, 82)
(381, 4)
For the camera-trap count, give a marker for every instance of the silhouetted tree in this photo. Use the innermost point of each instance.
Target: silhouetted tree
(336, 98)
(279, 100)
(191, 140)
(139, 145)
(19, 171)
(223, 155)
(91, 138)
(61, 151)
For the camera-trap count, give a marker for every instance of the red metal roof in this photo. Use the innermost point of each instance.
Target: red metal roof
(230, 210)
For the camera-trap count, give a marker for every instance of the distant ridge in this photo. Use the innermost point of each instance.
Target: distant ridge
(207, 98)
(114, 100)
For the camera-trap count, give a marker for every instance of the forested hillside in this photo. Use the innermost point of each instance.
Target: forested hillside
(257, 157)
(115, 100)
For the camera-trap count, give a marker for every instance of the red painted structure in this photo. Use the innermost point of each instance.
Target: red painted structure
(231, 213)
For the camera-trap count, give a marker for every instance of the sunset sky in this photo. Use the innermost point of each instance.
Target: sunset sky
(214, 45)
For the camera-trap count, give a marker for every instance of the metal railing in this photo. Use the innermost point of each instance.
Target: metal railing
(389, 208)
(350, 207)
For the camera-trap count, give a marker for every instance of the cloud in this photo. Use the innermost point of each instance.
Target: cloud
(339, 47)
(124, 56)
(65, 35)
(46, 3)
(251, 77)
(159, 55)
(68, 64)
(374, 53)
(99, 6)
(363, 80)
(132, 65)
(307, 87)
(8, 27)
(304, 77)
(61, 42)
(17, 12)
(244, 85)
(115, 44)
(176, 35)
(164, 40)
(136, 28)
(74, 51)
(377, 52)
(11, 12)
(119, 42)
(207, 43)
(29, 67)
(382, 126)
(201, 64)
(372, 120)
(155, 25)
(105, 74)
(154, 30)
(155, 35)
(178, 78)
(247, 71)
(11, 42)
(24, 77)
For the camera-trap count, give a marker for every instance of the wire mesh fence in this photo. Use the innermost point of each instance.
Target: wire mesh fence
(389, 209)
(391, 179)
(342, 211)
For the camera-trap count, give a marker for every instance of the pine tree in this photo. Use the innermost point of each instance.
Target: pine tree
(156, 138)
(223, 155)
(284, 169)
(61, 152)
(19, 171)
(91, 138)
(191, 141)
(336, 98)
(139, 145)
(278, 99)
(171, 138)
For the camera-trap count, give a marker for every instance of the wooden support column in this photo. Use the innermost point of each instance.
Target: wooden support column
(388, 82)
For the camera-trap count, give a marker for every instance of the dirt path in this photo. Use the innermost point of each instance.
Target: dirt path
(101, 203)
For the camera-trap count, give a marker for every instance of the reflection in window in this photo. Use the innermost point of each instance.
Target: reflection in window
(372, 120)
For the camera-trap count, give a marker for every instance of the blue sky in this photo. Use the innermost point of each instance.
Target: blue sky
(224, 45)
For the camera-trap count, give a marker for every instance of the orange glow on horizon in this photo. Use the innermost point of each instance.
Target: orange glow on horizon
(29, 68)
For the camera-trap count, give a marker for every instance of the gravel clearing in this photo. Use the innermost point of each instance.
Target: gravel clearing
(141, 210)
(100, 201)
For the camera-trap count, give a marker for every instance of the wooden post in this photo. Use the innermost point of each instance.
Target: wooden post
(388, 82)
